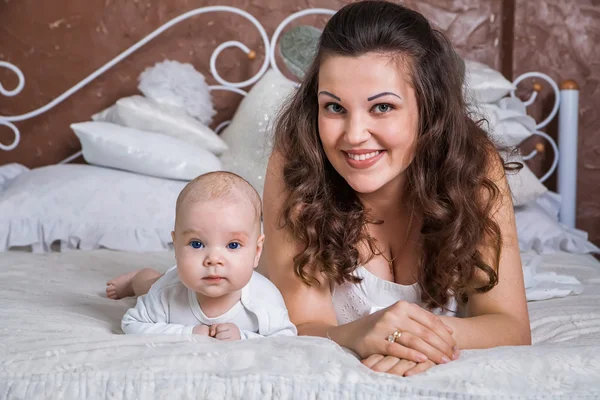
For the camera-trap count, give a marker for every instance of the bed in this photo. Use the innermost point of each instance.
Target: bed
(61, 336)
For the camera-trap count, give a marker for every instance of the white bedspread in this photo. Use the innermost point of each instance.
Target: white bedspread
(60, 338)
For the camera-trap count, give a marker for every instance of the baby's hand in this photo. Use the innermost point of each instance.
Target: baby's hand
(201, 330)
(226, 332)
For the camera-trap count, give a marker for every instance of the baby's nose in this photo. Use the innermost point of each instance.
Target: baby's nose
(213, 258)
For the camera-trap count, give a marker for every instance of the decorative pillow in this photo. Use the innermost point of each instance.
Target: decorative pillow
(129, 149)
(538, 229)
(248, 136)
(87, 207)
(298, 48)
(178, 85)
(141, 113)
(507, 120)
(485, 84)
(524, 185)
(9, 172)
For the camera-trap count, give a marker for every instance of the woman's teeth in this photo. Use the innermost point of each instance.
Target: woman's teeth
(362, 157)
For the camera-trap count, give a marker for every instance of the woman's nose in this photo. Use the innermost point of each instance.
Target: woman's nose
(357, 131)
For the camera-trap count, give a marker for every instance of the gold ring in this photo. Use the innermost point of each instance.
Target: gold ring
(394, 336)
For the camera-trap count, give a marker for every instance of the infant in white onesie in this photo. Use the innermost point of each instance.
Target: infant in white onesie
(213, 290)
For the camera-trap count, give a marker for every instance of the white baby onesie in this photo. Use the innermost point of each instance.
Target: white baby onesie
(171, 308)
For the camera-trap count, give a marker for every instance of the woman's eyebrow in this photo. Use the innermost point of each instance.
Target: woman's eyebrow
(329, 94)
(383, 94)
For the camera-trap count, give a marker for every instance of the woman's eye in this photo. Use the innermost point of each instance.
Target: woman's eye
(234, 245)
(334, 108)
(383, 108)
(196, 244)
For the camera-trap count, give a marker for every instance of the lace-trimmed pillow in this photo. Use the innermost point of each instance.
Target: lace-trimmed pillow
(87, 207)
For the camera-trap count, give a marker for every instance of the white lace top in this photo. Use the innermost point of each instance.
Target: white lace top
(354, 300)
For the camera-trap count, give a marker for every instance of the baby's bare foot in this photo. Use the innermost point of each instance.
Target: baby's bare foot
(120, 286)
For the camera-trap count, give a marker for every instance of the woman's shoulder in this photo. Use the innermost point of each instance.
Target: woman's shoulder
(275, 201)
(495, 171)
(494, 162)
(274, 174)
(274, 193)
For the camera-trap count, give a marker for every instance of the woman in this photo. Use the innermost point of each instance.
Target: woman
(384, 201)
(386, 208)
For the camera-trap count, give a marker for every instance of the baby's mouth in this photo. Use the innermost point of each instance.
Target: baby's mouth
(213, 278)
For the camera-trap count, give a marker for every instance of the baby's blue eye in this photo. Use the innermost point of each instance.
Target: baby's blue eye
(196, 244)
(234, 246)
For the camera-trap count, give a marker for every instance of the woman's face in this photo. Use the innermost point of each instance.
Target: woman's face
(368, 119)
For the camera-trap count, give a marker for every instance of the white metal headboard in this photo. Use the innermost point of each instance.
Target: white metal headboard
(566, 99)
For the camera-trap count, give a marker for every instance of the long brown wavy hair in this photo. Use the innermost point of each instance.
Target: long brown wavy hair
(447, 178)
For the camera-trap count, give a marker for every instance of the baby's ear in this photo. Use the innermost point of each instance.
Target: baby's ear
(259, 248)
(173, 236)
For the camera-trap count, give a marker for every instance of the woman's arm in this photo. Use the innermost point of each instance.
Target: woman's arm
(498, 317)
(311, 308)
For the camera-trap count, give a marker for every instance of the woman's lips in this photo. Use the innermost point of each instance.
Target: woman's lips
(361, 159)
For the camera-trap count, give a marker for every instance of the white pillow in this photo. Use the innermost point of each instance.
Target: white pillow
(249, 136)
(507, 120)
(524, 185)
(87, 207)
(147, 115)
(485, 84)
(129, 149)
(538, 229)
(9, 172)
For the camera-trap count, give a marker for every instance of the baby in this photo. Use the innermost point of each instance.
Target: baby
(213, 290)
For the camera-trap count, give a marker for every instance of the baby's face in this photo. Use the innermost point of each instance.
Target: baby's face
(217, 245)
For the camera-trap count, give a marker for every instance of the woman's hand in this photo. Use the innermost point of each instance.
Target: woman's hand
(423, 336)
(389, 364)
(395, 365)
(420, 367)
